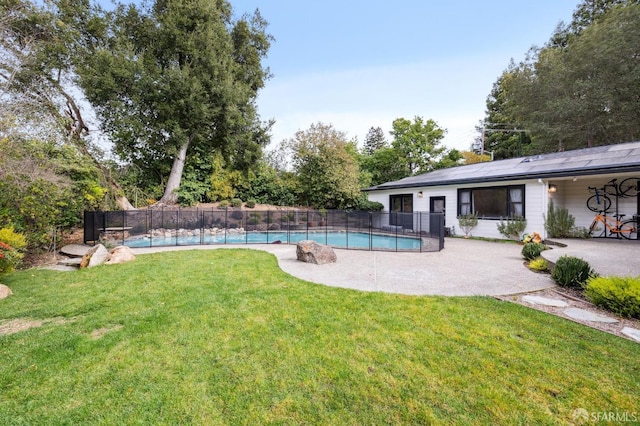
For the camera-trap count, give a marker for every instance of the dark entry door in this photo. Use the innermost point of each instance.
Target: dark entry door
(436, 205)
(402, 211)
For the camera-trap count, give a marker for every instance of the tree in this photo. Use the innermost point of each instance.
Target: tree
(417, 143)
(450, 158)
(473, 158)
(585, 93)
(40, 47)
(44, 185)
(384, 165)
(327, 172)
(176, 78)
(501, 132)
(374, 140)
(586, 13)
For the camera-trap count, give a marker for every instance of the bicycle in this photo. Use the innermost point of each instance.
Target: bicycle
(630, 187)
(598, 202)
(626, 229)
(625, 189)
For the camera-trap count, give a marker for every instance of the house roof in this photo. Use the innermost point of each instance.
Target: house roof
(608, 159)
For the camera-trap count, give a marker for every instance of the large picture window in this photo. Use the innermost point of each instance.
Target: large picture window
(492, 202)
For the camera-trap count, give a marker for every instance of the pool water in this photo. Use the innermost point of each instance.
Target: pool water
(355, 240)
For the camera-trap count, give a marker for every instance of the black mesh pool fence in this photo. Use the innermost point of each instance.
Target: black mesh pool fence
(362, 230)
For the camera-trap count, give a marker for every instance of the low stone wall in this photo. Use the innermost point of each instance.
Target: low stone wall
(172, 233)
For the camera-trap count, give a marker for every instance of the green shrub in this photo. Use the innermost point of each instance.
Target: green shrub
(512, 227)
(13, 238)
(223, 204)
(581, 232)
(539, 264)
(467, 222)
(11, 246)
(251, 204)
(572, 272)
(532, 251)
(559, 223)
(370, 206)
(620, 295)
(236, 202)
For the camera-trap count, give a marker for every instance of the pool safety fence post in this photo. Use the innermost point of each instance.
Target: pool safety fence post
(396, 231)
(420, 230)
(347, 229)
(201, 219)
(370, 231)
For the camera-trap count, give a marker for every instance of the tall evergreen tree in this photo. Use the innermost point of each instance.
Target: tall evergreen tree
(374, 140)
(177, 78)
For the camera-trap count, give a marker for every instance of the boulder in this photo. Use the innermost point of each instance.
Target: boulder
(311, 252)
(96, 256)
(120, 254)
(4, 291)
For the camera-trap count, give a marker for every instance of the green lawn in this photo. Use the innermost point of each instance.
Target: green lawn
(225, 337)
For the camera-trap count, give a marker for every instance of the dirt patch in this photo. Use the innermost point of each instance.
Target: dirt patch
(41, 259)
(21, 324)
(575, 299)
(100, 332)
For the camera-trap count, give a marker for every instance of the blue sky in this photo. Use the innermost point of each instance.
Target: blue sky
(358, 64)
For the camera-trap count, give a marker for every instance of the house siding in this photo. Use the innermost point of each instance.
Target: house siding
(536, 200)
(572, 172)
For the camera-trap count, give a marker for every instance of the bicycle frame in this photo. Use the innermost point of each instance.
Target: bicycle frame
(606, 221)
(625, 229)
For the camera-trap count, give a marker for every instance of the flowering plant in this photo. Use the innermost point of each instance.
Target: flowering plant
(9, 258)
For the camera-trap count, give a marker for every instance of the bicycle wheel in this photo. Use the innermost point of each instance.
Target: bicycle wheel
(630, 187)
(601, 206)
(629, 230)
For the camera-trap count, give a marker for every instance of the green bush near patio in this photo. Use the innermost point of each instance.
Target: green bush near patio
(572, 272)
(532, 250)
(620, 295)
(225, 337)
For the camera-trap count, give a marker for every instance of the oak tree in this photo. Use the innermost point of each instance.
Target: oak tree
(178, 77)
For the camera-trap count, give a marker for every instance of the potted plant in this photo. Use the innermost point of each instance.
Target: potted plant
(467, 222)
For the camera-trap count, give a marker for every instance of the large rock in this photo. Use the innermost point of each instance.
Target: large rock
(120, 254)
(4, 291)
(311, 252)
(95, 257)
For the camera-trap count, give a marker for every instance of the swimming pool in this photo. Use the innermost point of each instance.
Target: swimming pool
(352, 240)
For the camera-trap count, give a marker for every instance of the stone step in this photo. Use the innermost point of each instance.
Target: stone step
(75, 262)
(582, 314)
(75, 250)
(634, 333)
(539, 300)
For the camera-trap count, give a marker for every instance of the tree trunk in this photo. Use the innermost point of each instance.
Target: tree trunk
(173, 183)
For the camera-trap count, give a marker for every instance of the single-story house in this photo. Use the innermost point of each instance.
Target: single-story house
(519, 186)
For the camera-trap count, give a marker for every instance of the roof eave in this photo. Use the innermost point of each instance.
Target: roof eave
(524, 176)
